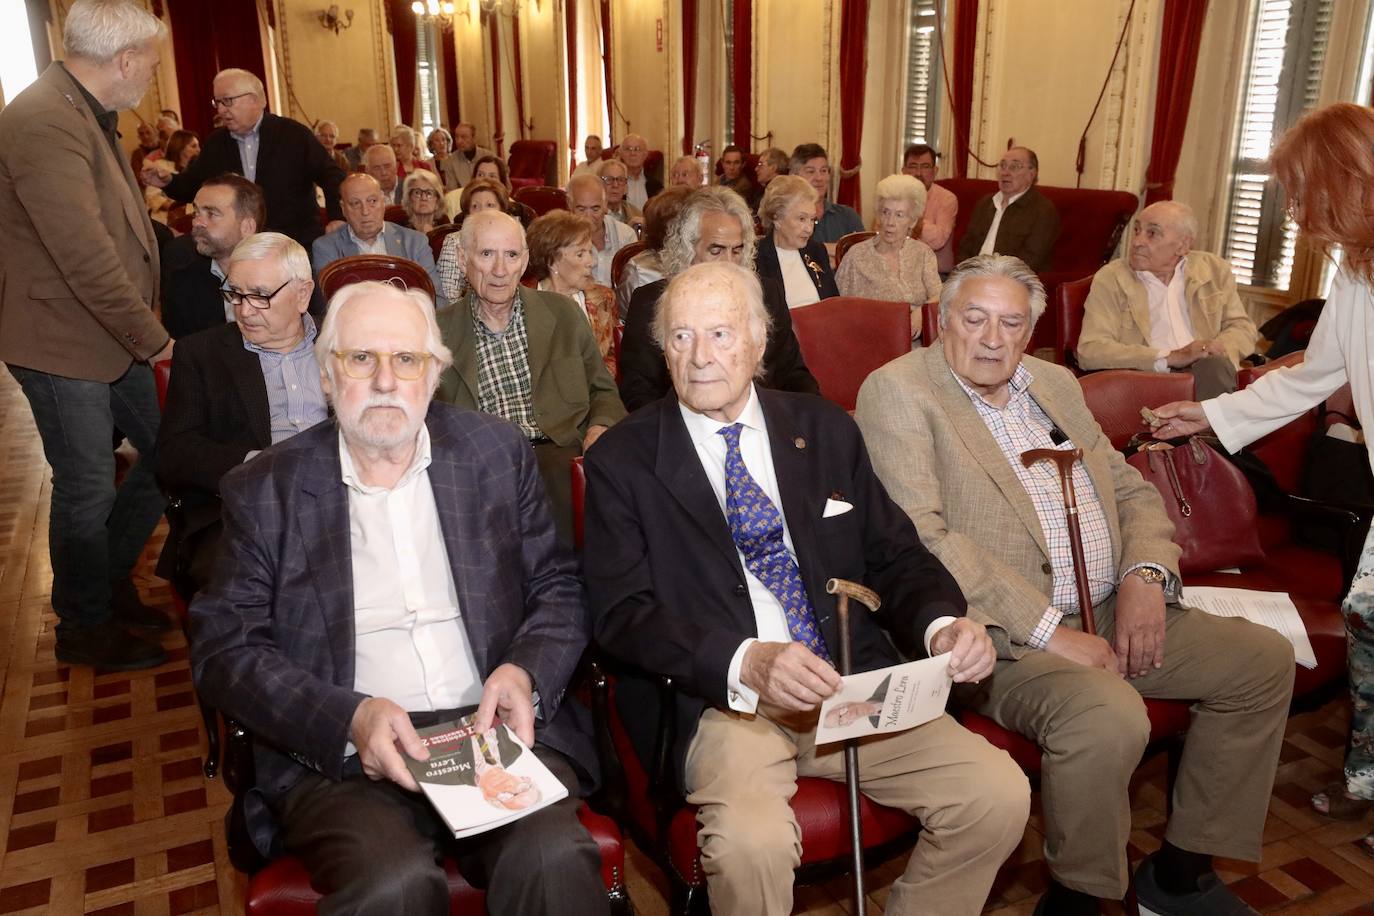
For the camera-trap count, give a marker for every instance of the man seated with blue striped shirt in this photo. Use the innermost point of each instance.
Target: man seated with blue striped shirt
(236, 389)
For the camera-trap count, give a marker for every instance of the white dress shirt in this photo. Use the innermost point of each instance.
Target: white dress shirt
(797, 284)
(618, 235)
(1170, 325)
(1000, 202)
(638, 190)
(410, 643)
(770, 619)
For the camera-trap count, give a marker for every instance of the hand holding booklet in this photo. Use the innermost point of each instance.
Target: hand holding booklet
(886, 701)
(478, 780)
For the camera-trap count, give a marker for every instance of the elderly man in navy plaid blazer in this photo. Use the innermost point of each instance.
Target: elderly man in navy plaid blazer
(381, 574)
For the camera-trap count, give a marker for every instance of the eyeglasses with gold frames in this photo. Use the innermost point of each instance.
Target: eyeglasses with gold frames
(406, 365)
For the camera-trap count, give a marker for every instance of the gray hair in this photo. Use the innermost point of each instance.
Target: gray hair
(383, 150)
(603, 164)
(903, 188)
(251, 78)
(993, 265)
(477, 222)
(404, 130)
(591, 181)
(741, 281)
(1180, 216)
(424, 177)
(98, 30)
(328, 339)
(321, 125)
(679, 246)
(782, 192)
(273, 246)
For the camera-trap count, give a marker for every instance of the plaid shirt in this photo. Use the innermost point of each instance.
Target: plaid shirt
(503, 370)
(1020, 426)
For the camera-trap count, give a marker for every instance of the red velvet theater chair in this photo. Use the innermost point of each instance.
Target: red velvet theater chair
(1069, 301)
(847, 242)
(1115, 396)
(531, 162)
(843, 339)
(542, 198)
(401, 272)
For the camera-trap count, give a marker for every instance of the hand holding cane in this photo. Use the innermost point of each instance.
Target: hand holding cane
(867, 597)
(1064, 460)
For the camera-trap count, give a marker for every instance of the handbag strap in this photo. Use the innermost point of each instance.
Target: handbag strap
(1185, 508)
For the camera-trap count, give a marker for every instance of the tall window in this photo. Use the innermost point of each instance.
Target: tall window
(922, 122)
(1282, 81)
(427, 75)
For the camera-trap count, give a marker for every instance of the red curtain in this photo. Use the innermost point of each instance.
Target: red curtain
(853, 68)
(519, 69)
(689, 74)
(451, 79)
(208, 38)
(1180, 38)
(742, 74)
(498, 131)
(401, 20)
(965, 37)
(606, 48)
(573, 141)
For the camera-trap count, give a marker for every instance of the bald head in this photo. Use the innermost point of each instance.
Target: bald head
(634, 149)
(364, 205)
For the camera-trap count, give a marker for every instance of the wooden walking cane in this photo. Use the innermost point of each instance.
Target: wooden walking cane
(845, 590)
(1063, 460)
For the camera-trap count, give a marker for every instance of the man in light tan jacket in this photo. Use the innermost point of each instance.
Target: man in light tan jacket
(946, 426)
(1164, 307)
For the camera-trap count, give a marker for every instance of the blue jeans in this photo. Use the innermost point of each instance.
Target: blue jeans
(95, 530)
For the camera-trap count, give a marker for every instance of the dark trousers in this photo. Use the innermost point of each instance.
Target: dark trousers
(373, 848)
(95, 529)
(555, 469)
(1212, 375)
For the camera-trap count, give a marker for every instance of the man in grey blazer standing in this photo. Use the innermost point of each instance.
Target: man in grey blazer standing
(368, 232)
(77, 327)
(946, 426)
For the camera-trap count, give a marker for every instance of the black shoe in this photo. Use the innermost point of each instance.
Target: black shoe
(1212, 898)
(1059, 900)
(129, 611)
(108, 648)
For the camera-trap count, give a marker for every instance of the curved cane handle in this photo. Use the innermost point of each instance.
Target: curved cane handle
(866, 596)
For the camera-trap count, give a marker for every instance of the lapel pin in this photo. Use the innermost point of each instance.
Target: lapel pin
(799, 442)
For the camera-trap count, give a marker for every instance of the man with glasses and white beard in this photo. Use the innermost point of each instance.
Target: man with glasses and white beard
(236, 389)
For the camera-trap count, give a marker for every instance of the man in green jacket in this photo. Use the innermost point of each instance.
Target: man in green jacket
(527, 356)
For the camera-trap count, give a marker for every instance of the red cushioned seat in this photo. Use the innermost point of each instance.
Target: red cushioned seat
(283, 887)
(844, 338)
(1115, 396)
(531, 163)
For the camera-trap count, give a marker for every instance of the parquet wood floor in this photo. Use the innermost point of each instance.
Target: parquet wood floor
(103, 807)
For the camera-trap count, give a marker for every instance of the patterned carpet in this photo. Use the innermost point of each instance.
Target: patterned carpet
(103, 807)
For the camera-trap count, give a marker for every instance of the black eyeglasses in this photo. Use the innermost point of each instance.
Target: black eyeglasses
(257, 300)
(228, 100)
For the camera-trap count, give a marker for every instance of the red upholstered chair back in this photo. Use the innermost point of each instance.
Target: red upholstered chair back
(930, 324)
(181, 223)
(621, 258)
(844, 339)
(162, 377)
(847, 242)
(531, 162)
(1115, 396)
(1090, 223)
(579, 500)
(542, 198)
(395, 213)
(437, 236)
(1284, 451)
(401, 272)
(1069, 299)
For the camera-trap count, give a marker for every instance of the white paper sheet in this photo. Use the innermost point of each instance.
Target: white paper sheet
(885, 701)
(1271, 609)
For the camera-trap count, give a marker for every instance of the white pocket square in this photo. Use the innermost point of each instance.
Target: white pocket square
(834, 507)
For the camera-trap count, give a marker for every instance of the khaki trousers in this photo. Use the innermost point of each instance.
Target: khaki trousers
(1092, 728)
(742, 771)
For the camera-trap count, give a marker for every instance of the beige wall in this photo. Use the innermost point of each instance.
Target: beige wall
(346, 78)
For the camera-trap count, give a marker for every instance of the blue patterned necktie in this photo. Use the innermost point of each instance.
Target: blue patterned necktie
(756, 526)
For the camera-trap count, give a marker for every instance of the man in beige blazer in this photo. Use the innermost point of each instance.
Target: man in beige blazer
(77, 327)
(1165, 307)
(945, 426)
(527, 356)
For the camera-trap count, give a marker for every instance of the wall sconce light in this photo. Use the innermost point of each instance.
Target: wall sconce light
(332, 20)
(438, 12)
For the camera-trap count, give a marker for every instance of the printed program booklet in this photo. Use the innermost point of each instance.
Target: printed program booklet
(885, 701)
(481, 780)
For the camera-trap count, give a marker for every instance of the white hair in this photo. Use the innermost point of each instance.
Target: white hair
(251, 79)
(993, 265)
(328, 339)
(367, 153)
(591, 181)
(477, 222)
(98, 30)
(902, 188)
(739, 281)
(267, 246)
(680, 244)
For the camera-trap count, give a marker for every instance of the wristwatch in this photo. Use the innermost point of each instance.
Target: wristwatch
(1150, 574)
